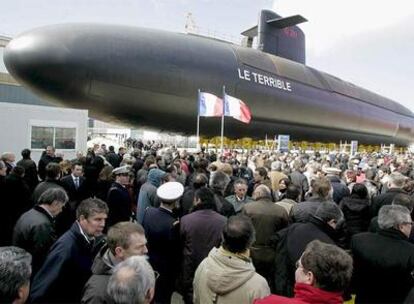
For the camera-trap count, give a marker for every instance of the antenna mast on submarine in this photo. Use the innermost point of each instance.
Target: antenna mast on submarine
(190, 25)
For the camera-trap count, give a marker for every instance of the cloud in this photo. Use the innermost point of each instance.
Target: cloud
(332, 21)
(379, 60)
(368, 43)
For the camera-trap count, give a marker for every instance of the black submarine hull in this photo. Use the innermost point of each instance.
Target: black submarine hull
(150, 78)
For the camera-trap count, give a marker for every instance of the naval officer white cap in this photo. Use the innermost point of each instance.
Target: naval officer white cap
(332, 171)
(170, 191)
(122, 170)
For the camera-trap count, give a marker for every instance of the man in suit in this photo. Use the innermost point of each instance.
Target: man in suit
(73, 185)
(161, 229)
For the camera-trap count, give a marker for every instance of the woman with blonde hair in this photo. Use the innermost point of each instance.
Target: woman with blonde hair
(65, 168)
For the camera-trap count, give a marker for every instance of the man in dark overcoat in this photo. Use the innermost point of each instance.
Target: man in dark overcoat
(384, 260)
(292, 241)
(267, 218)
(161, 229)
(47, 157)
(4, 218)
(16, 200)
(112, 157)
(118, 199)
(68, 264)
(30, 169)
(35, 230)
(395, 184)
(52, 176)
(200, 231)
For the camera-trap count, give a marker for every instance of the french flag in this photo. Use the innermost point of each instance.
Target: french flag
(209, 105)
(237, 109)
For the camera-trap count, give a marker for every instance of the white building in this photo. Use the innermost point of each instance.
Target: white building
(35, 127)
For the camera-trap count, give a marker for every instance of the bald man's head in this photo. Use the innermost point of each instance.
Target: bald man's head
(262, 192)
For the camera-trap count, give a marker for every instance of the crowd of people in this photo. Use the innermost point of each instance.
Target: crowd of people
(139, 224)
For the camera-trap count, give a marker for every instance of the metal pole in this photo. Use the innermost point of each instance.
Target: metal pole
(222, 122)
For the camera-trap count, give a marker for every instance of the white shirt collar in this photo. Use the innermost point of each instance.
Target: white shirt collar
(239, 199)
(89, 240)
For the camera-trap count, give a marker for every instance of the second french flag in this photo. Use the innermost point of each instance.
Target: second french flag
(209, 105)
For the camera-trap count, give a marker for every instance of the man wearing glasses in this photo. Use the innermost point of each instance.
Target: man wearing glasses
(323, 272)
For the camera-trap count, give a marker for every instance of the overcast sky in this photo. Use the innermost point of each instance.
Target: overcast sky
(367, 42)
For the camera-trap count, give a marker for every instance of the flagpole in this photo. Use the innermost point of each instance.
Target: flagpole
(198, 120)
(222, 121)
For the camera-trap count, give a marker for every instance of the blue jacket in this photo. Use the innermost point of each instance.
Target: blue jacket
(148, 193)
(66, 270)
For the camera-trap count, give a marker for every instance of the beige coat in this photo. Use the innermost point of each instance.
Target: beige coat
(287, 204)
(226, 278)
(275, 177)
(267, 219)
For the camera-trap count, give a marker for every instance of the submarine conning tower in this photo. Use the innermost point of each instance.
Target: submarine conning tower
(279, 36)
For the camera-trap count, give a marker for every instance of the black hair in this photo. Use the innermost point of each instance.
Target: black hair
(26, 153)
(206, 197)
(238, 234)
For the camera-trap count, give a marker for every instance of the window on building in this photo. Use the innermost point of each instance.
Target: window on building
(60, 138)
(42, 137)
(65, 138)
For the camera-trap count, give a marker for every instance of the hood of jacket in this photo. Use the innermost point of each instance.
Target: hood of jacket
(154, 176)
(103, 264)
(227, 272)
(355, 204)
